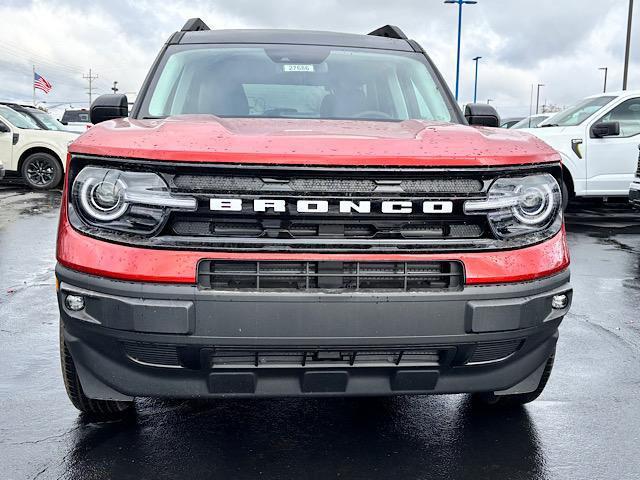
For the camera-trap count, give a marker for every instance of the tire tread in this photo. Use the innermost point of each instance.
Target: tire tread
(98, 408)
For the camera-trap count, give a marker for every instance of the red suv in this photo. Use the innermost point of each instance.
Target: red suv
(308, 214)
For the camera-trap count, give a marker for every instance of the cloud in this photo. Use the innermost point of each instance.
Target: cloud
(560, 44)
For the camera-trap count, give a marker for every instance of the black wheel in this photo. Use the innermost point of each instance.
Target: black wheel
(489, 399)
(105, 409)
(565, 195)
(42, 171)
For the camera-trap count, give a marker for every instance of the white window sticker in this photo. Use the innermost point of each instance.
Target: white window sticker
(298, 68)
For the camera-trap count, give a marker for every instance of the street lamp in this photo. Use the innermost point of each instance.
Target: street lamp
(489, 100)
(475, 87)
(628, 47)
(460, 3)
(538, 97)
(606, 70)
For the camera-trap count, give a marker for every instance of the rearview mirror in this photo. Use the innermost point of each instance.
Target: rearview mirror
(605, 129)
(482, 114)
(108, 107)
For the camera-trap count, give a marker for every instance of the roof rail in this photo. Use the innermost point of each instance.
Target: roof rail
(389, 31)
(194, 25)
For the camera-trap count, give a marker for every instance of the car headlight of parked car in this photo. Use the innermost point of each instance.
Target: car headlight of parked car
(133, 202)
(517, 206)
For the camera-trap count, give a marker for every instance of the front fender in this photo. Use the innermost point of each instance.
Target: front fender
(54, 147)
(574, 166)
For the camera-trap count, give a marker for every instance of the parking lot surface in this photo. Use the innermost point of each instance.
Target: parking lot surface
(585, 425)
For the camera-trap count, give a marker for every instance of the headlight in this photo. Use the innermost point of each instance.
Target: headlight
(521, 205)
(134, 202)
(103, 199)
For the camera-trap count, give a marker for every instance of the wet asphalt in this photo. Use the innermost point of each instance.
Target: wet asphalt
(586, 425)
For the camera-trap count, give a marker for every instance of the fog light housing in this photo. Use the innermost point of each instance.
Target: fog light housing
(560, 301)
(74, 302)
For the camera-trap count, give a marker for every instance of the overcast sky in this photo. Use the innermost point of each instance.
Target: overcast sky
(560, 43)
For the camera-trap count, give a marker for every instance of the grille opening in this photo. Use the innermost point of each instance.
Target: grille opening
(309, 358)
(152, 354)
(322, 185)
(336, 231)
(495, 351)
(216, 227)
(328, 275)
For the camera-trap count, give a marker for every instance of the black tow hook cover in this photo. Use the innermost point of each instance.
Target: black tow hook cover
(232, 382)
(414, 380)
(325, 382)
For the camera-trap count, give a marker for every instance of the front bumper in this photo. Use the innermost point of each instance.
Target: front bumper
(168, 340)
(634, 193)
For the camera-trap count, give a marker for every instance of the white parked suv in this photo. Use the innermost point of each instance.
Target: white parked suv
(598, 140)
(28, 151)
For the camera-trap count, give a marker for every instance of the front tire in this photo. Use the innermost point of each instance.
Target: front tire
(42, 171)
(102, 409)
(491, 400)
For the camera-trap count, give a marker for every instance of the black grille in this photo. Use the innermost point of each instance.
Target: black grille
(198, 227)
(494, 351)
(333, 230)
(198, 357)
(152, 353)
(324, 186)
(346, 357)
(329, 275)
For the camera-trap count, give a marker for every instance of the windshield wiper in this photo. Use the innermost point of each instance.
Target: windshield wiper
(549, 125)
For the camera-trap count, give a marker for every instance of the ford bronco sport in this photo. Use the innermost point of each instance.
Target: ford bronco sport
(309, 214)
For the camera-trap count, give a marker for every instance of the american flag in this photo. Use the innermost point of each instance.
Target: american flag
(41, 83)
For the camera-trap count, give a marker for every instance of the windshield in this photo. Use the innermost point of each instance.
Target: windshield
(530, 122)
(48, 121)
(18, 120)
(578, 113)
(295, 81)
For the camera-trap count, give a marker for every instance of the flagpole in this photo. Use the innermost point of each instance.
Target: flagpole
(33, 84)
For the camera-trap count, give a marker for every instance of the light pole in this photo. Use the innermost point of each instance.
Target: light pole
(606, 70)
(475, 87)
(628, 47)
(538, 97)
(460, 3)
(489, 100)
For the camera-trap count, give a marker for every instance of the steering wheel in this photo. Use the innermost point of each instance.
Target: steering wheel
(373, 114)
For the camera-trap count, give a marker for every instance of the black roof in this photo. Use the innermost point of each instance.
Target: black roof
(15, 105)
(295, 37)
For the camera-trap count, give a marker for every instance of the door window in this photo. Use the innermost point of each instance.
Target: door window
(627, 114)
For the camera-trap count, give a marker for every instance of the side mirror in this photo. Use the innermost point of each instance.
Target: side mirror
(481, 114)
(108, 107)
(4, 128)
(605, 129)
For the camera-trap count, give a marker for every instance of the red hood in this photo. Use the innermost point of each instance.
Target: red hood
(205, 138)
